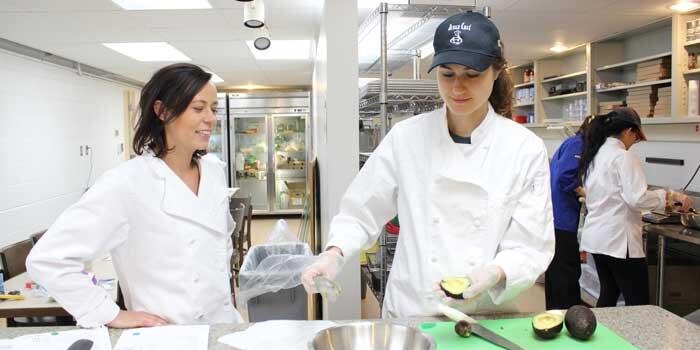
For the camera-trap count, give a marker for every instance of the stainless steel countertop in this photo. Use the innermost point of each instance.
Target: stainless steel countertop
(678, 232)
(647, 327)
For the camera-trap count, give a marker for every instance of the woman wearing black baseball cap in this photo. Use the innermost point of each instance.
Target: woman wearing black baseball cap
(470, 185)
(616, 194)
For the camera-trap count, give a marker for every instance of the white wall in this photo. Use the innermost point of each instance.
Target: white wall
(336, 132)
(46, 113)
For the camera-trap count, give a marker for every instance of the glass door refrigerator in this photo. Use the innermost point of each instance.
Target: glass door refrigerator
(269, 153)
(218, 140)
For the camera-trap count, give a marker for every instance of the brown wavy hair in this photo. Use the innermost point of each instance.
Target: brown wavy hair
(502, 94)
(174, 86)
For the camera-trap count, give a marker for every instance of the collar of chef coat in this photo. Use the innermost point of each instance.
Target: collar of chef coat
(461, 161)
(614, 142)
(179, 200)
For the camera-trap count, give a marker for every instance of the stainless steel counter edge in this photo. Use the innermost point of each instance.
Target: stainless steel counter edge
(647, 327)
(678, 232)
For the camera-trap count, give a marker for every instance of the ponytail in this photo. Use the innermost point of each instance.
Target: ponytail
(598, 130)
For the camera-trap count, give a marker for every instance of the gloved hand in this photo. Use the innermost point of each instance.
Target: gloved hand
(673, 197)
(480, 281)
(328, 265)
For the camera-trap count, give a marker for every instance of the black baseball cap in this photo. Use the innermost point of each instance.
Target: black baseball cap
(629, 115)
(469, 39)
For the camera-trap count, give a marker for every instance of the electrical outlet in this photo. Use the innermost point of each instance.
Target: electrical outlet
(81, 150)
(87, 150)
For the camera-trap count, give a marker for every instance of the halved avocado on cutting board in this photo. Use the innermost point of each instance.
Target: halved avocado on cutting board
(547, 325)
(454, 286)
(580, 322)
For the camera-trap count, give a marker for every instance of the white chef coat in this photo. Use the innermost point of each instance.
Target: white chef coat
(616, 194)
(171, 249)
(461, 207)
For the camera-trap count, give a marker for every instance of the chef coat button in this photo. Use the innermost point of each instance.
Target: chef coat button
(477, 222)
(193, 241)
(436, 220)
(227, 303)
(196, 280)
(200, 316)
(433, 260)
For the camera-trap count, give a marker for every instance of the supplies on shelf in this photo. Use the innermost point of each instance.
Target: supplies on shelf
(692, 30)
(524, 96)
(564, 88)
(608, 106)
(641, 100)
(654, 70)
(576, 109)
(650, 101)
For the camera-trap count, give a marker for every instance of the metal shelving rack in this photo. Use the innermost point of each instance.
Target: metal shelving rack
(384, 96)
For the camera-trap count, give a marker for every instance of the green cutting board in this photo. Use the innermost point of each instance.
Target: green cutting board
(519, 331)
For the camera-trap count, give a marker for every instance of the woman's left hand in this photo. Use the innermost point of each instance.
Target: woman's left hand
(480, 281)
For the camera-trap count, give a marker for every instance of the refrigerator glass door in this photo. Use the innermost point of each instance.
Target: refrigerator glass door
(289, 161)
(217, 140)
(250, 159)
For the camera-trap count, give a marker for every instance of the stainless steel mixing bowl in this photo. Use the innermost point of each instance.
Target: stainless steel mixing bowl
(371, 336)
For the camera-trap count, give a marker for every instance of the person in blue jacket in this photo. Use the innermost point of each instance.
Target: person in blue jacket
(561, 285)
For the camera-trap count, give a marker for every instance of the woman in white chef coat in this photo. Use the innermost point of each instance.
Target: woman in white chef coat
(616, 194)
(163, 216)
(470, 185)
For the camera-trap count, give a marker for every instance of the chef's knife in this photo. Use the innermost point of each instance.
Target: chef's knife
(478, 329)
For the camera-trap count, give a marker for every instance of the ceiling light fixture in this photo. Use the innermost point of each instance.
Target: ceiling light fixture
(684, 6)
(163, 4)
(262, 42)
(149, 52)
(282, 50)
(254, 14)
(558, 47)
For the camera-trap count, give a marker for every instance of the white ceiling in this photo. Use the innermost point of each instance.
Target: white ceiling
(216, 38)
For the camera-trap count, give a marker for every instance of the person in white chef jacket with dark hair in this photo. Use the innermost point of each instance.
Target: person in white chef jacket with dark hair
(163, 216)
(470, 185)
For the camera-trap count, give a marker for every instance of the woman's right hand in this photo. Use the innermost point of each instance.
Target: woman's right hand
(328, 265)
(675, 198)
(136, 319)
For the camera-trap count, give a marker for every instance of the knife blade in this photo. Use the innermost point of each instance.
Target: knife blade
(492, 337)
(479, 330)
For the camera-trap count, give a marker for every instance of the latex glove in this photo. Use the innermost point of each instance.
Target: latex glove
(480, 281)
(674, 197)
(328, 265)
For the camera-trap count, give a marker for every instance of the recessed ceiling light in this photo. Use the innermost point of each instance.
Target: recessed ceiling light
(282, 50)
(149, 52)
(558, 47)
(163, 4)
(684, 6)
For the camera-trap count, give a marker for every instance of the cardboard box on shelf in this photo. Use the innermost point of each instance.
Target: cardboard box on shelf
(658, 61)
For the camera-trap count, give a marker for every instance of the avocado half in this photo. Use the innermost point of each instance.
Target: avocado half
(454, 286)
(547, 325)
(580, 322)
(463, 328)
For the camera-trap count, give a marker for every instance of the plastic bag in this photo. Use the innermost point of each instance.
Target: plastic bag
(268, 268)
(282, 233)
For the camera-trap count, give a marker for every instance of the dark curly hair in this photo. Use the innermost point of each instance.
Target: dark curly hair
(174, 86)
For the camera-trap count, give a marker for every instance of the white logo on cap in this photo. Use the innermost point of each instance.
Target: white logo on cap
(460, 27)
(456, 39)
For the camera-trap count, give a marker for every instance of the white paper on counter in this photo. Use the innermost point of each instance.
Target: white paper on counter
(62, 340)
(288, 335)
(165, 338)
